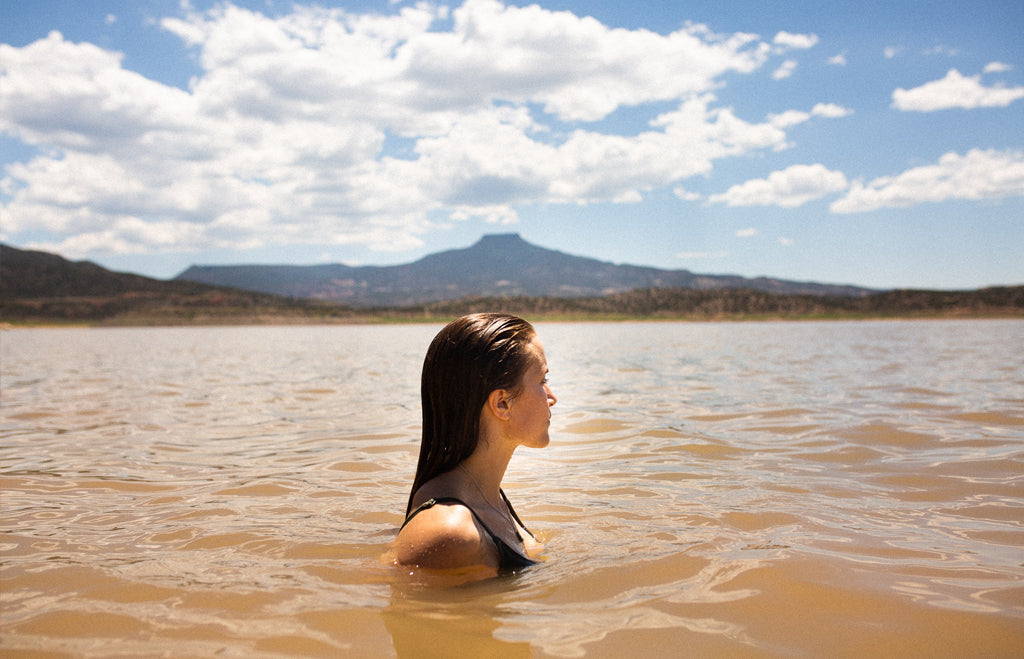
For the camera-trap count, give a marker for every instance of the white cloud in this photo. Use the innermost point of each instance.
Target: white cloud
(978, 175)
(796, 41)
(997, 67)
(562, 61)
(497, 214)
(892, 51)
(746, 233)
(577, 68)
(954, 91)
(785, 70)
(282, 136)
(78, 97)
(794, 117)
(788, 118)
(686, 195)
(837, 60)
(786, 242)
(788, 188)
(830, 110)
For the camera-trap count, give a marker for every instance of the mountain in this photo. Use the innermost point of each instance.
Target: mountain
(500, 265)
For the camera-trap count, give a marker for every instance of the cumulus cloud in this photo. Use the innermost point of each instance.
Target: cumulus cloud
(788, 188)
(685, 195)
(890, 52)
(795, 41)
(794, 117)
(954, 91)
(514, 54)
(788, 118)
(977, 175)
(785, 70)
(997, 67)
(837, 60)
(830, 110)
(283, 135)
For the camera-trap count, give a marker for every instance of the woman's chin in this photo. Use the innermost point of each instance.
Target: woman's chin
(540, 442)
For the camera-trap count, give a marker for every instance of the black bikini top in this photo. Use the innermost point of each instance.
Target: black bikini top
(508, 558)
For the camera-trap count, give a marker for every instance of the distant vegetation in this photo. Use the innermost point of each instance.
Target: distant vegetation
(734, 304)
(40, 288)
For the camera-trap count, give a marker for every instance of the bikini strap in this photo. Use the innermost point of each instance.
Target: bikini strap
(430, 503)
(505, 552)
(514, 515)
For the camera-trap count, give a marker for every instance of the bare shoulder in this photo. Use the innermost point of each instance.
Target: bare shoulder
(444, 536)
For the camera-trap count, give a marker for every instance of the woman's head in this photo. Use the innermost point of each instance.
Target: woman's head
(467, 360)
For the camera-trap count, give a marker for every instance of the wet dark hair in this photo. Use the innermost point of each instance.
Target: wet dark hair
(467, 360)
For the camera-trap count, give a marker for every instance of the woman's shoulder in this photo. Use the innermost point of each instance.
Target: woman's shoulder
(443, 533)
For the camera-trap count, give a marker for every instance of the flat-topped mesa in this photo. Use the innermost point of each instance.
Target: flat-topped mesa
(500, 241)
(497, 265)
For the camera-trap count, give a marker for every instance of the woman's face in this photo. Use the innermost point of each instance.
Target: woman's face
(531, 409)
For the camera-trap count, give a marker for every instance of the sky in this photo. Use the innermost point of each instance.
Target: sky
(874, 143)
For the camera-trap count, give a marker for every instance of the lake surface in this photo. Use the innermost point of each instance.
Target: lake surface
(740, 489)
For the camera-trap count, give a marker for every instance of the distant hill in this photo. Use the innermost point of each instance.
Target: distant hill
(42, 287)
(501, 265)
(27, 273)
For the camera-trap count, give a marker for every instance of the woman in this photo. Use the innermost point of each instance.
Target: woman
(485, 393)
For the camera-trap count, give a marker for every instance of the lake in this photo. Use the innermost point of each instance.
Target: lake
(711, 489)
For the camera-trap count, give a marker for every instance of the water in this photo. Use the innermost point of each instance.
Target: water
(749, 489)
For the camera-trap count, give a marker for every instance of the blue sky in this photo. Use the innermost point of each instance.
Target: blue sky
(870, 143)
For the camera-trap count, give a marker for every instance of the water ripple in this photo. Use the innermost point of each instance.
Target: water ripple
(734, 489)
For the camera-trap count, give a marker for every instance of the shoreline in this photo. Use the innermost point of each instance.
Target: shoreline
(271, 320)
(233, 308)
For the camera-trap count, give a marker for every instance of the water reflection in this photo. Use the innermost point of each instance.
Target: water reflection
(427, 620)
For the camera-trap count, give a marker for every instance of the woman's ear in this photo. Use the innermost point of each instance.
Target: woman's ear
(499, 403)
